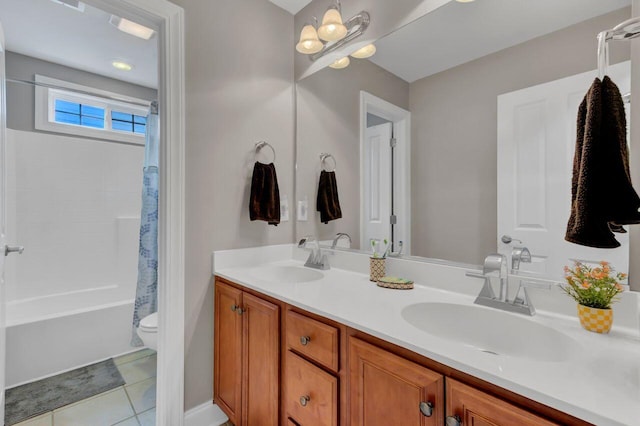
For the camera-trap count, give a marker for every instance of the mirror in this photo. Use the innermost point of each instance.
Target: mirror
(467, 92)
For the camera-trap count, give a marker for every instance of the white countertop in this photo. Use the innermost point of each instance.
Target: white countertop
(601, 385)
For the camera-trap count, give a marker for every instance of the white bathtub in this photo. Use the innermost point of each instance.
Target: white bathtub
(52, 334)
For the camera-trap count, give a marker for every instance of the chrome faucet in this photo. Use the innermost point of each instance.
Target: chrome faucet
(495, 266)
(519, 254)
(340, 235)
(317, 259)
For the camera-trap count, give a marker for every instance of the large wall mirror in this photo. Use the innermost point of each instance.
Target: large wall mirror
(460, 130)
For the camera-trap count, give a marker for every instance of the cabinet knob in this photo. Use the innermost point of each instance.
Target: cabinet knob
(304, 340)
(241, 311)
(426, 408)
(304, 400)
(234, 308)
(454, 420)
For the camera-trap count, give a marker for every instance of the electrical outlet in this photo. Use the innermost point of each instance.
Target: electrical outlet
(284, 209)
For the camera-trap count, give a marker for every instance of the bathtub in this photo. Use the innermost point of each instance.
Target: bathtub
(51, 334)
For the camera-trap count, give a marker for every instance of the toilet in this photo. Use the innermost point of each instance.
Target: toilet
(148, 331)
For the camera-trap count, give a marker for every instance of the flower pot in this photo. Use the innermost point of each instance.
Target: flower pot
(595, 319)
(376, 268)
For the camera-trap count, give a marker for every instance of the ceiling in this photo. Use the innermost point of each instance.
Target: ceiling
(83, 40)
(458, 33)
(291, 6)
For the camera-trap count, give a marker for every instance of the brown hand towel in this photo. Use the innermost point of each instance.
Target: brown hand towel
(264, 202)
(327, 202)
(601, 190)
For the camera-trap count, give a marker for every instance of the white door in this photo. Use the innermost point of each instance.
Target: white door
(536, 143)
(3, 131)
(377, 186)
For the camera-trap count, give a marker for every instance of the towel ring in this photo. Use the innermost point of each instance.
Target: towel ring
(262, 144)
(323, 158)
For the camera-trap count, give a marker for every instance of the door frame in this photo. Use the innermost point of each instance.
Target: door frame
(401, 119)
(168, 19)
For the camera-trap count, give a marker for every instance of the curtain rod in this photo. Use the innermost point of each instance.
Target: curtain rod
(83, 92)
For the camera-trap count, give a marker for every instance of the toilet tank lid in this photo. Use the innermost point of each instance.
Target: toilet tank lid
(150, 321)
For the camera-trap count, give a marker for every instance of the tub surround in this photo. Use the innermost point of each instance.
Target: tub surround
(599, 382)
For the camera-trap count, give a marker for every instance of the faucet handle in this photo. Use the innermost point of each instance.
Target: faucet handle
(495, 262)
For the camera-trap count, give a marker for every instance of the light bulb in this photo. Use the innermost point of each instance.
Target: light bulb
(366, 52)
(309, 42)
(340, 63)
(332, 28)
(122, 66)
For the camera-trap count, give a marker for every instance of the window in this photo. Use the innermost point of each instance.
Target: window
(80, 112)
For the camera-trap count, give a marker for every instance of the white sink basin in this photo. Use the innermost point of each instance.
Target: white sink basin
(491, 331)
(287, 274)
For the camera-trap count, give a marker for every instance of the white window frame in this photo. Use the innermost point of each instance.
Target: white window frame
(45, 109)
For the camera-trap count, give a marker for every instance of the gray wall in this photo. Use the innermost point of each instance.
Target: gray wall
(21, 97)
(454, 131)
(239, 90)
(328, 120)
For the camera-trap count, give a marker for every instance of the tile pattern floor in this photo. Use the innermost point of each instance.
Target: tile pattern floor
(130, 405)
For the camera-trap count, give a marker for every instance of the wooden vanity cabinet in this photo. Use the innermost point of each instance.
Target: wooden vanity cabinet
(246, 356)
(473, 407)
(386, 389)
(334, 375)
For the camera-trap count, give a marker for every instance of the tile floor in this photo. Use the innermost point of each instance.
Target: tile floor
(130, 405)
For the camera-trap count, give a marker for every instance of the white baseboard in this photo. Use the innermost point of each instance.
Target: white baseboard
(207, 414)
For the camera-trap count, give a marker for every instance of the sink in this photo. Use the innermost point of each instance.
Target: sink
(491, 331)
(286, 274)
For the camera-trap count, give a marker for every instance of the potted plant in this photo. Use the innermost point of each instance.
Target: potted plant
(595, 289)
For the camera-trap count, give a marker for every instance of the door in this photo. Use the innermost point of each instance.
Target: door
(261, 343)
(3, 128)
(536, 143)
(389, 390)
(377, 186)
(227, 390)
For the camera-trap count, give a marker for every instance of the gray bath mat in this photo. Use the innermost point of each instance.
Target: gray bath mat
(35, 398)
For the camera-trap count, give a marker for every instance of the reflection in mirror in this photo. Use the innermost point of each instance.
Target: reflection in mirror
(491, 90)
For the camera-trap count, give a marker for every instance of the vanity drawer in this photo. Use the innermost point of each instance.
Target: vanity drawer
(313, 339)
(311, 394)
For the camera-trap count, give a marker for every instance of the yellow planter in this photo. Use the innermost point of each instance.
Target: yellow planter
(376, 268)
(594, 319)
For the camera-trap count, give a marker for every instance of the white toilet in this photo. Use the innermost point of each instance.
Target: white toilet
(148, 331)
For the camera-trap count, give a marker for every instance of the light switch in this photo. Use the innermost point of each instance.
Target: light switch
(303, 209)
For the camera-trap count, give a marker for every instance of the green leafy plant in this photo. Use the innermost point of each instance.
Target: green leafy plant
(593, 287)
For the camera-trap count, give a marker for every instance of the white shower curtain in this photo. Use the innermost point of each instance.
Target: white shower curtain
(147, 289)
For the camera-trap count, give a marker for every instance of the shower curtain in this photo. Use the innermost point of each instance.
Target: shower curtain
(147, 288)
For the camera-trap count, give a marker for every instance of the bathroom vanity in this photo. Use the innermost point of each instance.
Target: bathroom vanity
(297, 346)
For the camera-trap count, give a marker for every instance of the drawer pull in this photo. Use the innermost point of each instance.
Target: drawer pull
(304, 400)
(304, 340)
(426, 408)
(454, 420)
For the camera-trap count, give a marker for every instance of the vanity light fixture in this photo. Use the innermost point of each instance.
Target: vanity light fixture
(122, 66)
(340, 63)
(365, 52)
(332, 34)
(131, 27)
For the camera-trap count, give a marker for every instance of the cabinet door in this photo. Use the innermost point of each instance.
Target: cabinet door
(386, 389)
(227, 388)
(261, 361)
(476, 408)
